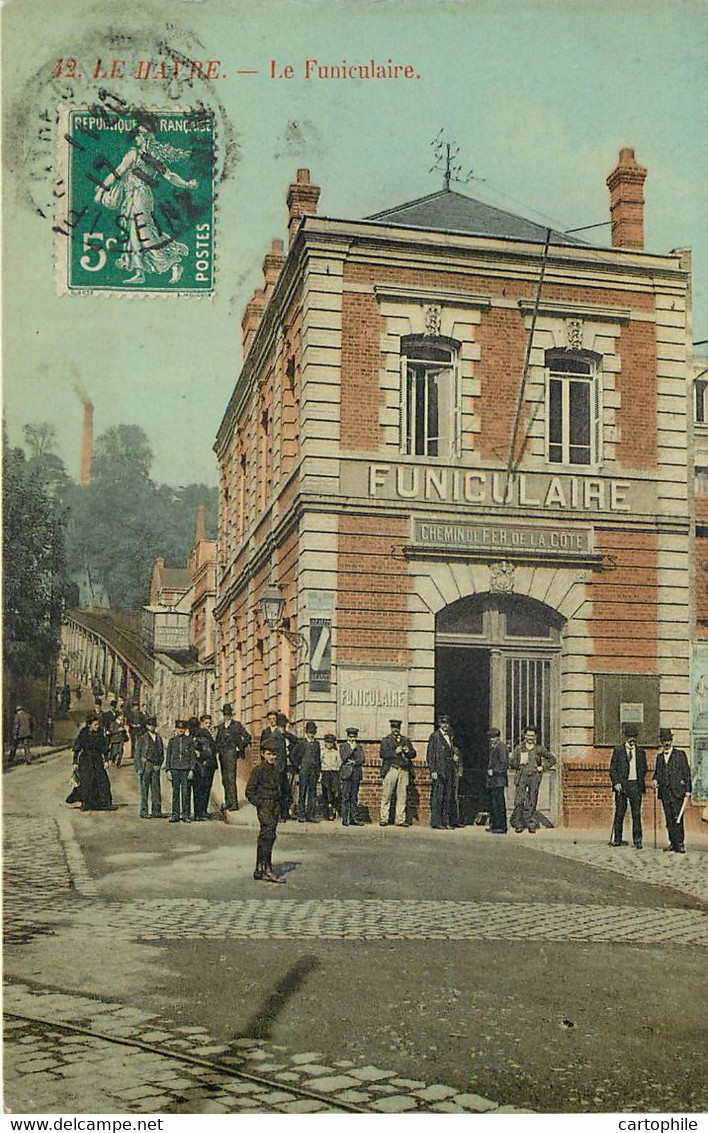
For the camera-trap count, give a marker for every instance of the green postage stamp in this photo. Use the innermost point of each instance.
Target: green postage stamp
(135, 195)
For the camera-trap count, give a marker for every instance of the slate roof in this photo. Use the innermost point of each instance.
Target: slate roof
(448, 211)
(175, 578)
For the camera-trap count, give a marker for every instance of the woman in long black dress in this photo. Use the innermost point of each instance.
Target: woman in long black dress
(93, 790)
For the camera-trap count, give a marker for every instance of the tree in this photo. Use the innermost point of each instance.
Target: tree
(40, 438)
(122, 454)
(40, 442)
(34, 571)
(122, 521)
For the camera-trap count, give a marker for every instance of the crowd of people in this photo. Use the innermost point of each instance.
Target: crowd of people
(300, 778)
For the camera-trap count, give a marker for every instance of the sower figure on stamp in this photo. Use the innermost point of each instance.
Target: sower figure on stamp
(263, 791)
(443, 770)
(397, 754)
(149, 757)
(127, 191)
(628, 769)
(352, 759)
(672, 781)
(231, 742)
(497, 780)
(529, 760)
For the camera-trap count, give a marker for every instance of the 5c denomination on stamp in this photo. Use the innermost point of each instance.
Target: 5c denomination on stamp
(135, 197)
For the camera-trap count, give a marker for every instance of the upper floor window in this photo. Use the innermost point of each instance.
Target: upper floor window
(700, 401)
(701, 480)
(428, 395)
(574, 413)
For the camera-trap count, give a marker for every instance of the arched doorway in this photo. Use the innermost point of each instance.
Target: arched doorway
(497, 663)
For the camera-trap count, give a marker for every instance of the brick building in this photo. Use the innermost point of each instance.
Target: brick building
(458, 450)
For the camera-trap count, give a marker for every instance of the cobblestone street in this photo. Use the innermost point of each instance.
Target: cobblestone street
(147, 896)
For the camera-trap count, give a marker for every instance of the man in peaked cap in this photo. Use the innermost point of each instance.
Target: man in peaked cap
(628, 769)
(352, 759)
(497, 781)
(672, 781)
(397, 754)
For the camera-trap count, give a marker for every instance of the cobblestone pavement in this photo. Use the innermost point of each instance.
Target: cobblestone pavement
(48, 1069)
(685, 872)
(43, 870)
(52, 1070)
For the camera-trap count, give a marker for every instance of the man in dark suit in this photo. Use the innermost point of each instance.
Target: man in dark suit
(149, 757)
(672, 781)
(497, 780)
(288, 750)
(628, 769)
(310, 765)
(351, 754)
(231, 742)
(442, 767)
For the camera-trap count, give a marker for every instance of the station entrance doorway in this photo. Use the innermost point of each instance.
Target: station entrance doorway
(497, 664)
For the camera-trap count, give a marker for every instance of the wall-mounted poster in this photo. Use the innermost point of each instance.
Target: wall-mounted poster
(699, 730)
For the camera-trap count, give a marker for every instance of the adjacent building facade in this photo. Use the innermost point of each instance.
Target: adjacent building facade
(459, 450)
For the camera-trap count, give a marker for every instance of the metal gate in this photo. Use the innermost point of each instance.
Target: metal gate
(529, 694)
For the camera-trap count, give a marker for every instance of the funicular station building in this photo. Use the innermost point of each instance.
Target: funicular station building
(458, 450)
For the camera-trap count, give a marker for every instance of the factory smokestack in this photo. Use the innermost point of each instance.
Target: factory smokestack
(86, 445)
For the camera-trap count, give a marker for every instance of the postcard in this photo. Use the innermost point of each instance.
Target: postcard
(355, 514)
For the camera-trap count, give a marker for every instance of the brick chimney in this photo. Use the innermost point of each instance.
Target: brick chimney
(251, 319)
(272, 264)
(200, 530)
(302, 201)
(86, 445)
(626, 185)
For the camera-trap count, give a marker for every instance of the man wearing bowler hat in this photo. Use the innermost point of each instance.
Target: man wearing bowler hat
(397, 754)
(628, 769)
(351, 754)
(672, 781)
(231, 742)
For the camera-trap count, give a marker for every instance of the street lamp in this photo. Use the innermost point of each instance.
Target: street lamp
(271, 607)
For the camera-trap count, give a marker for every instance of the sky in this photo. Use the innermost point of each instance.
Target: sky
(539, 95)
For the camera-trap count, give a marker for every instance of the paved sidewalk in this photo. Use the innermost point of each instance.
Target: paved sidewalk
(686, 872)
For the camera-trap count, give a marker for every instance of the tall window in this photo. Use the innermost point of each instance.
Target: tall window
(428, 383)
(700, 401)
(574, 409)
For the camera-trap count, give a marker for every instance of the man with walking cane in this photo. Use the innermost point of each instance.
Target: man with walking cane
(672, 782)
(628, 769)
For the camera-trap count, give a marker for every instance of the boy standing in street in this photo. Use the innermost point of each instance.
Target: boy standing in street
(263, 792)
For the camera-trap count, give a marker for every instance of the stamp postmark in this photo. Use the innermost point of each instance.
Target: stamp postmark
(136, 200)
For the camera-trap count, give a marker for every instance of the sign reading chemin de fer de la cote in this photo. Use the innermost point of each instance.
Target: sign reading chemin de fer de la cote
(502, 537)
(486, 487)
